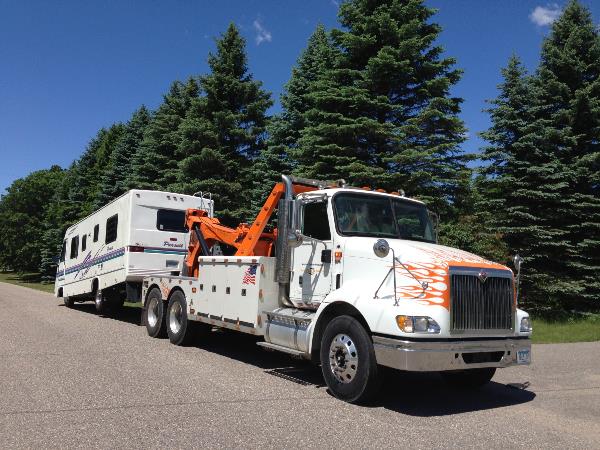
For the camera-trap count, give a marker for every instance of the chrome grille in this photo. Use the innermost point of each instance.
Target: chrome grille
(481, 305)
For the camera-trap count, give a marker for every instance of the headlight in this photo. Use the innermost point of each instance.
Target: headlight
(417, 324)
(525, 325)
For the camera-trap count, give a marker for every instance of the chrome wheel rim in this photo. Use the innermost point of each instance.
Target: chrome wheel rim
(175, 317)
(98, 298)
(343, 358)
(153, 312)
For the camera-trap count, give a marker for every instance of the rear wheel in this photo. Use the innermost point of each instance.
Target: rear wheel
(101, 302)
(469, 378)
(348, 361)
(154, 314)
(181, 331)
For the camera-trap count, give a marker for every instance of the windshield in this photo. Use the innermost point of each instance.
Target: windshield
(379, 216)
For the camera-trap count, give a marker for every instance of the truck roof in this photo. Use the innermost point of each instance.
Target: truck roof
(332, 191)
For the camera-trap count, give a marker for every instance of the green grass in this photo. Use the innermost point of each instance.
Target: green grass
(30, 280)
(582, 329)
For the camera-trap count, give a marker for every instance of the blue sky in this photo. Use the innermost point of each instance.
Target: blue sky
(68, 68)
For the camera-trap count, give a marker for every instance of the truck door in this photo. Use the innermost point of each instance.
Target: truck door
(311, 261)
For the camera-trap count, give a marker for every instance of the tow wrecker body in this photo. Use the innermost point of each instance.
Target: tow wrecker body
(350, 278)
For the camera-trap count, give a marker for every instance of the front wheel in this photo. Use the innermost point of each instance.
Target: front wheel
(348, 361)
(69, 301)
(470, 378)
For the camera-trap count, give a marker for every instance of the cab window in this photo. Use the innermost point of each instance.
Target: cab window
(316, 223)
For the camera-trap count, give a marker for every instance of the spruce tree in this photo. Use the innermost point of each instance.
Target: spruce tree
(285, 128)
(569, 81)
(543, 165)
(114, 180)
(87, 172)
(224, 131)
(155, 164)
(383, 115)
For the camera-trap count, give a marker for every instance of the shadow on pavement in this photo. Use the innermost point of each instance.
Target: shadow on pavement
(427, 395)
(128, 314)
(416, 394)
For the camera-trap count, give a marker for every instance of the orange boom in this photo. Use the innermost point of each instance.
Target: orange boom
(248, 240)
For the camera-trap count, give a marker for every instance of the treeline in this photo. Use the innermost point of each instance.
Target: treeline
(369, 102)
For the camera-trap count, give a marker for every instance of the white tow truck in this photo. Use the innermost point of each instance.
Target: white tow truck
(352, 279)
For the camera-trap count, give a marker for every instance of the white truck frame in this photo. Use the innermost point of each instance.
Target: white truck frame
(353, 302)
(106, 255)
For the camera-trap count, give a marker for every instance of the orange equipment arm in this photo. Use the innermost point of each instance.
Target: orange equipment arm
(249, 241)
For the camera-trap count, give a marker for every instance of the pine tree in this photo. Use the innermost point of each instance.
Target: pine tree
(155, 164)
(383, 115)
(541, 177)
(224, 131)
(569, 80)
(87, 172)
(284, 129)
(114, 180)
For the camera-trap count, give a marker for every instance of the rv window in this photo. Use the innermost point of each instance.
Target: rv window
(111, 229)
(171, 220)
(83, 242)
(96, 232)
(74, 247)
(63, 251)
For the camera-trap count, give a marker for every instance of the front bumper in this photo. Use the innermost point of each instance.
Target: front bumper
(440, 355)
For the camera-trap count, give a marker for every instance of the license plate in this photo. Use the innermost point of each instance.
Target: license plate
(523, 357)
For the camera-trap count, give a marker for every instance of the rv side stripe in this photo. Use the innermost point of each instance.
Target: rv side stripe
(98, 260)
(165, 251)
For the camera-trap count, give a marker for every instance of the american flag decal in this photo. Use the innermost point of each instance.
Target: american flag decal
(250, 275)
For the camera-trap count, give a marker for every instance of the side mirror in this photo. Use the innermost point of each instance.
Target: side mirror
(435, 221)
(55, 259)
(381, 248)
(517, 261)
(294, 237)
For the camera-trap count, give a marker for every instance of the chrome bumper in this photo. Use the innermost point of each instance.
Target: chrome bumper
(423, 356)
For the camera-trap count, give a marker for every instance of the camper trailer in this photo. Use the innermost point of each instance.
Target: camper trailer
(105, 256)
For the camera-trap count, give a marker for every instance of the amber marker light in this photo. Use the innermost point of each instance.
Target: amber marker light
(405, 323)
(338, 256)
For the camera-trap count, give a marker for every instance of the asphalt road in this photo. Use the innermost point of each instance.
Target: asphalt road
(71, 378)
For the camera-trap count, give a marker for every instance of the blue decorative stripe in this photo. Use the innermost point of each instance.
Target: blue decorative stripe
(89, 261)
(98, 260)
(170, 251)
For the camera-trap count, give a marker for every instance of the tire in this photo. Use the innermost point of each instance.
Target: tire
(69, 301)
(101, 302)
(348, 361)
(181, 331)
(154, 314)
(469, 378)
